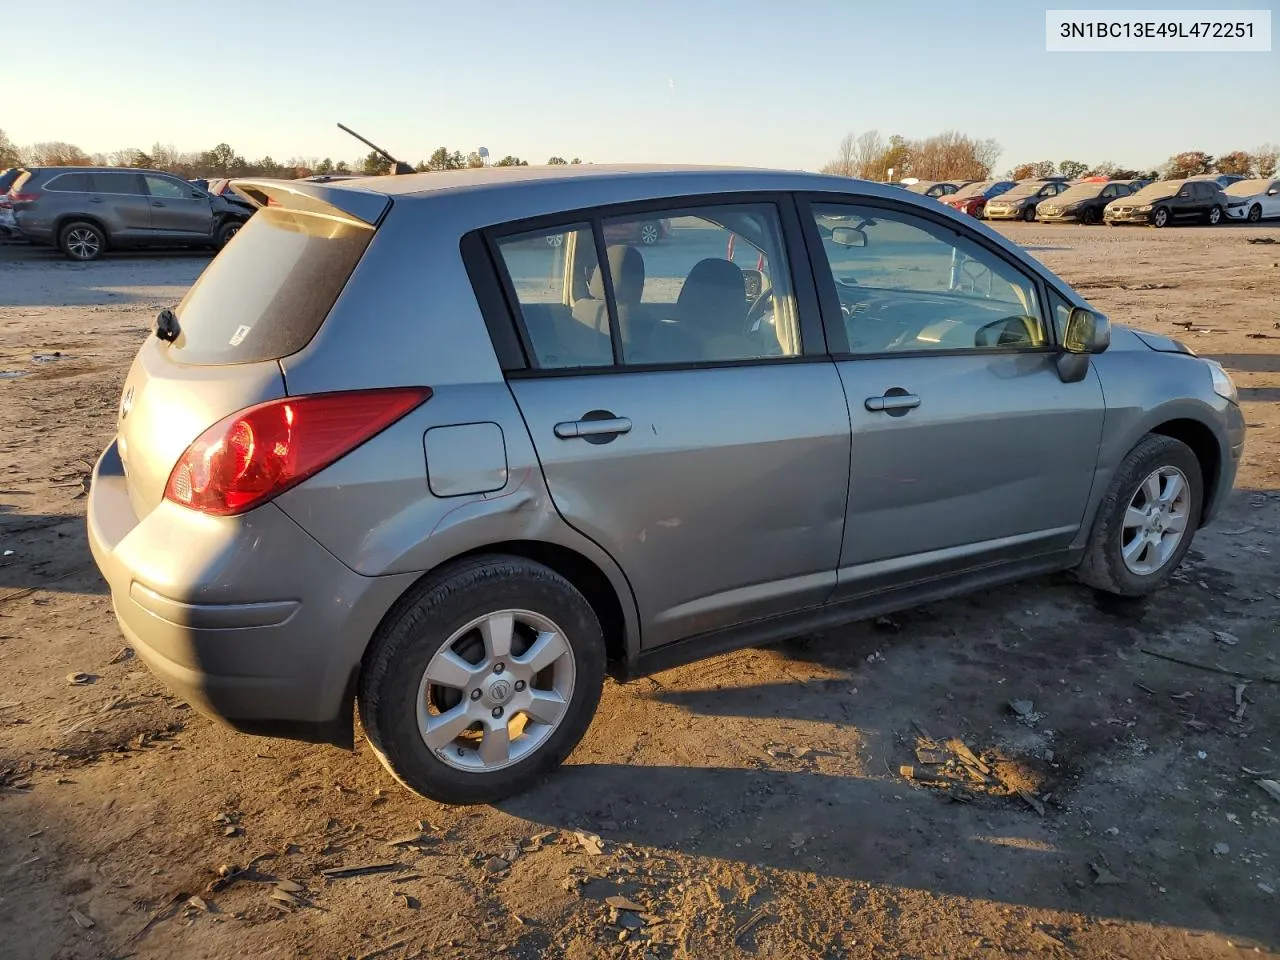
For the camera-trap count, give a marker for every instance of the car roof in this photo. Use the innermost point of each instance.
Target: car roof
(645, 176)
(165, 173)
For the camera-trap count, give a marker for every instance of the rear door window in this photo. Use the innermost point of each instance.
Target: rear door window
(265, 295)
(112, 182)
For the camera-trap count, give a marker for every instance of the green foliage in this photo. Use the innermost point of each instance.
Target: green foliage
(1073, 169)
(510, 161)
(1187, 164)
(557, 161)
(1237, 161)
(374, 164)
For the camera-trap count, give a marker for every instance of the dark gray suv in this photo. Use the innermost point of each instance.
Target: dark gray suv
(86, 211)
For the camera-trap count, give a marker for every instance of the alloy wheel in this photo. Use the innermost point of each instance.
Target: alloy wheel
(1215, 215)
(83, 243)
(649, 234)
(1155, 521)
(496, 690)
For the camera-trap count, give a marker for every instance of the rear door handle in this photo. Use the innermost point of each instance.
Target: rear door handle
(607, 427)
(95, 199)
(157, 203)
(892, 401)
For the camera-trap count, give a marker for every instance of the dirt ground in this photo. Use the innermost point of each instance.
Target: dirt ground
(753, 804)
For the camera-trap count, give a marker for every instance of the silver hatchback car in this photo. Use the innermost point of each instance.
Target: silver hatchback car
(395, 449)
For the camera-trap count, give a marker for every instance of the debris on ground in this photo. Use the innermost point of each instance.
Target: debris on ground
(1221, 849)
(80, 679)
(1103, 876)
(341, 873)
(1272, 787)
(961, 773)
(82, 921)
(1230, 639)
(1023, 708)
(589, 842)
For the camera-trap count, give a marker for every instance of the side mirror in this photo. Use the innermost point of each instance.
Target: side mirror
(849, 237)
(1273, 191)
(1087, 333)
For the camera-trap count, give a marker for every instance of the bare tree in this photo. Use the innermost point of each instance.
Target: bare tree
(8, 152)
(54, 153)
(843, 164)
(1264, 159)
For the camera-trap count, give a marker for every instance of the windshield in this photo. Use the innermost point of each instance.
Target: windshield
(1081, 191)
(1023, 190)
(1247, 188)
(1155, 191)
(974, 189)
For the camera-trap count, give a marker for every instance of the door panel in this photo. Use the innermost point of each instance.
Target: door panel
(175, 212)
(723, 502)
(996, 462)
(126, 208)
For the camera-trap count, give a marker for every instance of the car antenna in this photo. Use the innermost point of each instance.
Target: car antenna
(397, 166)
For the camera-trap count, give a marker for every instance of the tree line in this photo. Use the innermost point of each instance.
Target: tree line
(952, 155)
(223, 161)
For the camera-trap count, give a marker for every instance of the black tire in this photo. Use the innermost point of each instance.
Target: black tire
(417, 628)
(1214, 216)
(1160, 217)
(1103, 566)
(1029, 214)
(1255, 213)
(82, 241)
(1088, 216)
(225, 232)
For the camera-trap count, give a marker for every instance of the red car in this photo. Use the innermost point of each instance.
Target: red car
(646, 232)
(973, 198)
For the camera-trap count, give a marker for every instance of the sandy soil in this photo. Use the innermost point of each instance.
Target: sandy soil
(752, 804)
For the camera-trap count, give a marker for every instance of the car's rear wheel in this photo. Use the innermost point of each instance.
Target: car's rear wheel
(1214, 215)
(1255, 213)
(650, 233)
(1160, 218)
(482, 680)
(226, 232)
(555, 239)
(1147, 519)
(1029, 214)
(82, 241)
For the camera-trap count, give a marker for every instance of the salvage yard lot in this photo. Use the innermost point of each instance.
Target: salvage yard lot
(751, 804)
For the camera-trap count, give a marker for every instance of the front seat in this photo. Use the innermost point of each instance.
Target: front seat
(712, 306)
(626, 267)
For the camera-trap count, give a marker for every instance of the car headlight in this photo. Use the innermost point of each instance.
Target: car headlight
(1223, 385)
(1145, 208)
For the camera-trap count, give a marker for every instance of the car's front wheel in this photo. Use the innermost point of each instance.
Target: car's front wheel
(482, 680)
(1029, 214)
(82, 241)
(650, 233)
(226, 232)
(1145, 523)
(1160, 218)
(1214, 215)
(1255, 213)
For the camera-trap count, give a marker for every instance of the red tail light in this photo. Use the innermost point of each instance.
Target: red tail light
(15, 197)
(260, 452)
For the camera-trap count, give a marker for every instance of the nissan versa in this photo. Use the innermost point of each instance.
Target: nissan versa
(394, 450)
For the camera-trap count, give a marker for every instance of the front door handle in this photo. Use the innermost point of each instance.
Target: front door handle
(604, 427)
(157, 203)
(95, 199)
(892, 401)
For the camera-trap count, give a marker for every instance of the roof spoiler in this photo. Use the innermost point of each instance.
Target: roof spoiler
(329, 200)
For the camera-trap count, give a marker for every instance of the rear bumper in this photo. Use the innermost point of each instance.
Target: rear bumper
(248, 619)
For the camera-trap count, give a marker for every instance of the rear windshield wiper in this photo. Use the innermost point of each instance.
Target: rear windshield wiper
(167, 328)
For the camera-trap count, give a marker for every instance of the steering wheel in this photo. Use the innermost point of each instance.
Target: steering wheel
(757, 310)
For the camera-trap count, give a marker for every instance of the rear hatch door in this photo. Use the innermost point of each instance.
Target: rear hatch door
(262, 298)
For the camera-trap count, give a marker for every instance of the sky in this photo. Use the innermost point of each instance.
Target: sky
(756, 82)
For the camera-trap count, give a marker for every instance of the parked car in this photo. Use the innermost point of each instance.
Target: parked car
(86, 211)
(1133, 185)
(647, 232)
(1169, 201)
(1253, 200)
(1080, 203)
(972, 199)
(1019, 201)
(937, 188)
(7, 179)
(200, 183)
(1221, 179)
(339, 476)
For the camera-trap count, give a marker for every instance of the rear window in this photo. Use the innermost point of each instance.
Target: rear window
(71, 183)
(111, 182)
(269, 290)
